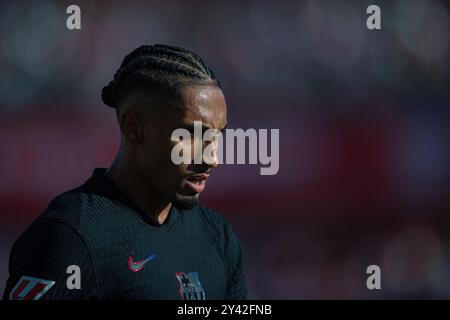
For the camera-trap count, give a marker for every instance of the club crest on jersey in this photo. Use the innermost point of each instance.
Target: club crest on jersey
(29, 288)
(190, 286)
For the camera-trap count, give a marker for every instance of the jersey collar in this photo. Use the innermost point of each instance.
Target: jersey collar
(101, 184)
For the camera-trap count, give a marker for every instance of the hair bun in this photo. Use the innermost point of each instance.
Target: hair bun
(108, 95)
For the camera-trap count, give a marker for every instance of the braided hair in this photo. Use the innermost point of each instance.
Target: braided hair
(157, 68)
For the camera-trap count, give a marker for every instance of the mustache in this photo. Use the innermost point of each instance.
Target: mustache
(197, 169)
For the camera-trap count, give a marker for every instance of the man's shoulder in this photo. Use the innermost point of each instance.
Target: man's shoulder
(65, 208)
(58, 223)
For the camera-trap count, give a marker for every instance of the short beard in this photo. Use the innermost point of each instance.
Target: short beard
(185, 202)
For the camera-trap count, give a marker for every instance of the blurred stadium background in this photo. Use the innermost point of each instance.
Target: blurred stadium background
(363, 116)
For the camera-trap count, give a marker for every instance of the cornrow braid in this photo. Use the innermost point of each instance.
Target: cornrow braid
(158, 67)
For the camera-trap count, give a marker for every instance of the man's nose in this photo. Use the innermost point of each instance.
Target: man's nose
(211, 158)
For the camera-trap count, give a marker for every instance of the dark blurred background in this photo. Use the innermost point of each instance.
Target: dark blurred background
(363, 116)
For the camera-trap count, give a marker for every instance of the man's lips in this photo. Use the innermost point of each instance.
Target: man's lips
(197, 182)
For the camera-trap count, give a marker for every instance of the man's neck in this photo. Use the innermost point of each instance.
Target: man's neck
(133, 184)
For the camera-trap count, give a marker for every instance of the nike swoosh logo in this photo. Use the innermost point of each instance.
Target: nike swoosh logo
(138, 265)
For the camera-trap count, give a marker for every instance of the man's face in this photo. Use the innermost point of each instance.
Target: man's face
(181, 184)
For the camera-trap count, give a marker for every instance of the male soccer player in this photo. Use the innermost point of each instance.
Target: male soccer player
(136, 229)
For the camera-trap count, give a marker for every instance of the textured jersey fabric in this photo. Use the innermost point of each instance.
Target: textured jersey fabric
(123, 254)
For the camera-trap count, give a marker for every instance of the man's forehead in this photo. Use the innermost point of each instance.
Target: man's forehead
(205, 104)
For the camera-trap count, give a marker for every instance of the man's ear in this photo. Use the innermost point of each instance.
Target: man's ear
(131, 128)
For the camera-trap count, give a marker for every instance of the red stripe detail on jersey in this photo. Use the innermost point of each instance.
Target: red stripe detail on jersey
(19, 289)
(35, 291)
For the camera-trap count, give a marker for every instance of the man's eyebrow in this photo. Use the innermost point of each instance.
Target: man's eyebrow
(190, 127)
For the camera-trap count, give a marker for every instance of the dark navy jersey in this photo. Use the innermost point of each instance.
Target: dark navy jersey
(93, 242)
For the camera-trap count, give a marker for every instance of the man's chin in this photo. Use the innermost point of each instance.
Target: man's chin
(185, 202)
